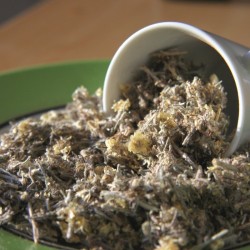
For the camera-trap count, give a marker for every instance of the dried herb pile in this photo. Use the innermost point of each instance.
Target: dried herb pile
(150, 176)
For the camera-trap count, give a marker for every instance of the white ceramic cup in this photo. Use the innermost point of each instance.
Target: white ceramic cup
(230, 61)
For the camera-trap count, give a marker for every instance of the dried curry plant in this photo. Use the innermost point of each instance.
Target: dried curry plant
(149, 176)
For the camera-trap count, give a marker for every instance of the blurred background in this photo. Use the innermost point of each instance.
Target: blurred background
(34, 32)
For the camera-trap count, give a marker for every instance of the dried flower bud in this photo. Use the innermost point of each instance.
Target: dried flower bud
(121, 105)
(139, 143)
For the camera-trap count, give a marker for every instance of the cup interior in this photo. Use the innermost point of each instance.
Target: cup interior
(135, 51)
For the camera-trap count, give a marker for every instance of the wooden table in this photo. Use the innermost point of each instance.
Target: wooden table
(63, 30)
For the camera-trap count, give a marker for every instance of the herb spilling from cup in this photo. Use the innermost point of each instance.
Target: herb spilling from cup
(149, 176)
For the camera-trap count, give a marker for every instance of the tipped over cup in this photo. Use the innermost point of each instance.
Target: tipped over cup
(228, 60)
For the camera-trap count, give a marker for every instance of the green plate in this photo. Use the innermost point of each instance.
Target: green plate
(27, 91)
